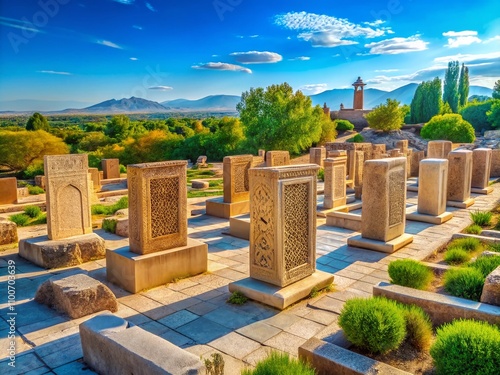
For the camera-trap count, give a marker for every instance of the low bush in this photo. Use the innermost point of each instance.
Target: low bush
(481, 218)
(109, 225)
(215, 366)
(35, 190)
(494, 247)
(467, 347)
(464, 282)
(408, 272)
(475, 113)
(358, 138)
(456, 255)
(123, 169)
(469, 243)
(321, 174)
(215, 183)
(280, 363)
(418, 327)
(374, 324)
(41, 219)
(32, 211)
(451, 127)
(21, 220)
(473, 229)
(100, 209)
(237, 298)
(485, 264)
(343, 125)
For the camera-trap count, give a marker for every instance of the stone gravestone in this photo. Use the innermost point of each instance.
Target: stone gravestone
(459, 179)
(282, 236)
(495, 163)
(383, 215)
(69, 239)
(481, 169)
(433, 184)
(378, 151)
(438, 149)
(41, 181)
(416, 157)
(96, 178)
(317, 155)
(110, 168)
(335, 182)
(277, 158)
(8, 190)
(159, 249)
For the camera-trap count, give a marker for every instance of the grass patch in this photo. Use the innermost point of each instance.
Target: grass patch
(418, 327)
(469, 244)
(216, 365)
(485, 264)
(100, 209)
(237, 298)
(35, 190)
(481, 218)
(21, 220)
(409, 272)
(321, 174)
(32, 215)
(280, 363)
(464, 282)
(32, 211)
(494, 247)
(456, 255)
(315, 291)
(109, 225)
(473, 229)
(216, 183)
(198, 194)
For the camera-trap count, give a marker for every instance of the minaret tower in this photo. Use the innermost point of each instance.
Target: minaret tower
(358, 93)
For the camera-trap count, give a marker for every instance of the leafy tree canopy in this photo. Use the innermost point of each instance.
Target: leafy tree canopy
(37, 121)
(386, 117)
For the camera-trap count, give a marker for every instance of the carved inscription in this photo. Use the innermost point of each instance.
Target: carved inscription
(262, 218)
(240, 177)
(296, 225)
(396, 196)
(164, 203)
(339, 182)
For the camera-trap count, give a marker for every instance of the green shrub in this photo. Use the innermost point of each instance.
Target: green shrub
(494, 247)
(456, 255)
(343, 125)
(109, 225)
(464, 282)
(376, 324)
(32, 211)
(468, 243)
(481, 218)
(100, 209)
(21, 220)
(475, 113)
(386, 117)
(451, 127)
(237, 298)
(34, 169)
(321, 174)
(42, 219)
(123, 169)
(280, 363)
(418, 327)
(473, 229)
(358, 138)
(485, 264)
(467, 347)
(409, 272)
(35, 190)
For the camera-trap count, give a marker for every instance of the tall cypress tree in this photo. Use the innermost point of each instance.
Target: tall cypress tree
(463, 87)
(426, 102)
(450, 92)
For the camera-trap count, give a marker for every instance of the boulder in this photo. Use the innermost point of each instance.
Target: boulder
(491, 288)
(122, 226)
(76, 295)
(199, 184)
(8, 232)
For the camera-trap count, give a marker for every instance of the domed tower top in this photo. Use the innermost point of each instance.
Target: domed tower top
(358, 93)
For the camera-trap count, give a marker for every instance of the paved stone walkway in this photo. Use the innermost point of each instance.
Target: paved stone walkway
(193, 314)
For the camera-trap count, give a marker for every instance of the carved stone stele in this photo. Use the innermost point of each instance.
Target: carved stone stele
(335, 182)
(459, 175)
(8, 190)
(236, 186)
(438, 149)
(68, 196)
(283, 223)
(110, 168)
(317, 155)
(157, 206)
(277, 158)
(481, 167)
(433, 185)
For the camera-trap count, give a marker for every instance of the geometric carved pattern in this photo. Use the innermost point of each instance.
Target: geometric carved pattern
(339, 183)
(164, 203)
(264, 227)
(296, 225)
(240, 176)
(396, 196)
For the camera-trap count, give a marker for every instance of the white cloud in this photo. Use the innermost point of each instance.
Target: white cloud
(161, 88)
(396, 46)
(18, 24)
(328, 31)
(461, 38)
(137, 27)
(134, 58)
(386, 70)
(126, 2)
(493, 39)
(55, 72)
(300, 58)
(222, 66)
(150, 7)
(314, 88)
(254, 36)
(468, 58)
(257, 57)
(107, 43)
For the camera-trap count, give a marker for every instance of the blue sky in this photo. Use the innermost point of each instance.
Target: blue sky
(90, 51)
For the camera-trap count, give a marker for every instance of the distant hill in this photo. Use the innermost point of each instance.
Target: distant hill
(212, 102)
(29, 105)
(133, 104)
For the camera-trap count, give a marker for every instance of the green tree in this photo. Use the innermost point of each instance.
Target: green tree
(463, 86)
(328, 129)
(279, 119)
(28, 147)
(496, 90)
(475, 113)
(450, 92)
(37, 121)
(426, 102)
(494, 114)
(386, 117)
(118, 128)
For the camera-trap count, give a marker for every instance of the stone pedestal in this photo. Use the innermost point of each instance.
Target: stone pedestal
(481, 168)
(438, 149)
(8, 190)
(335, 182)
(433, 183)
(378, 151)
(459, 179)
(495, 163)
(96, 178)
(218, 208)
(384, 206)
(277, 158)
(239, 226)
(41, 181)
(317, 155)
(416, 157)
(110, 168)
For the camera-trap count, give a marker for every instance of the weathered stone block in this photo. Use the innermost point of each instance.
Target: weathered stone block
(416, 157)
(110, 168)
(41, 181)
(236, 186)
(8, 190)
(495, 163)
(433, 183)
(335, 182)
(76, 295)
(95, 177)
(8, 232)
(200, 184)
(491, 288)
(438, 149)
(317, 155)
(459, 175)
(481, 167)
(277, 158)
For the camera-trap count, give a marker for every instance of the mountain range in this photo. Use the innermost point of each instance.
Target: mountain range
(224, 103)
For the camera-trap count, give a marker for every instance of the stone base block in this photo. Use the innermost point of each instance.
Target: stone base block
(439, 219)
(134, 272)
(344, 220)
(76, 295)
(8, 232)
(66, 252)
(469, 202)
(278, 297)
(384, 247)
(412, 188)
(321, 211)
(485, 191)
(217, 207)
(239, 226)
(112, 346)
